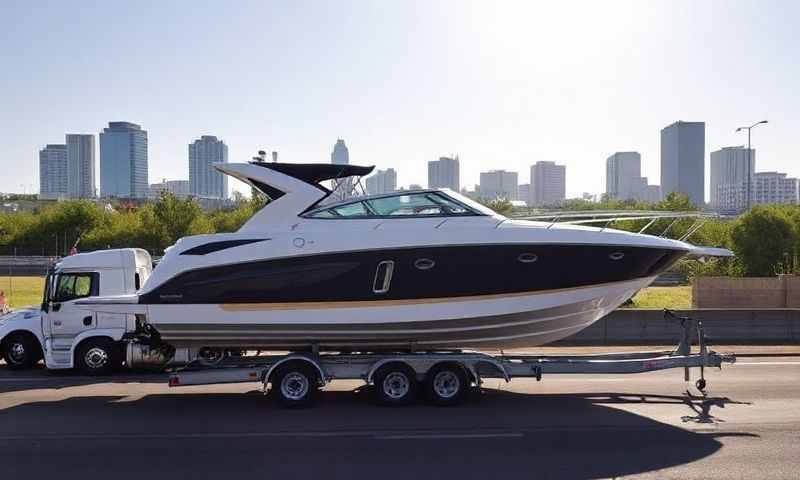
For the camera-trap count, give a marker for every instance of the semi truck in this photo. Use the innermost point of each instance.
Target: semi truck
(66, 335)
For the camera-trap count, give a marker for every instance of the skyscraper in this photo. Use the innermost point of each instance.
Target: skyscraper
(683, 160)
(205, 180)
(623, 174)
(53, 171)
(548, 184)
(499, 184)
(123, 161)
(524, 193)
(340, 154)
(729, 167)
(382, 181)
(80, 166)
(444, 173)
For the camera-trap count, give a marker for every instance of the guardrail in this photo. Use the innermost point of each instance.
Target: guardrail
(724, 326)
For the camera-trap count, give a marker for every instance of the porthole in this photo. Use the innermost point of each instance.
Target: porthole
(527, 257)
(424, 263)
(616, 256)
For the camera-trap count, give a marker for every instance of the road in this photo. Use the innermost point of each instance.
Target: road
(647, 426)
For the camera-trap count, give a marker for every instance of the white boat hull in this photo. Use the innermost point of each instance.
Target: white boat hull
(487, 321)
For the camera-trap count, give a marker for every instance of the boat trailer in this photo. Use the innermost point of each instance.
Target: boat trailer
(394, 372)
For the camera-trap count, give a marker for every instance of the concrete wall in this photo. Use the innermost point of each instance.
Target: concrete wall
(782, 291)
(723, 326)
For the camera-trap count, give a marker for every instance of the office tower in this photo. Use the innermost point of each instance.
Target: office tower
(524, 193)
(623, 176)
(729, 166)
(548, 184)
(499, 184)
(123, 161)
(683, 160)
(80, 166)
(179, 188)
(205, 180)
(382, 181)
(340, 154)
(53, 172)
(444, 173)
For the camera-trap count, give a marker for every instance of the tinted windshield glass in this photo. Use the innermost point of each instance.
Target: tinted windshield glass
(419, 204)
(411, 204)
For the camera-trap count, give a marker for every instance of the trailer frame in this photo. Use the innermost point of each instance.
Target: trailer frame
(476, 365)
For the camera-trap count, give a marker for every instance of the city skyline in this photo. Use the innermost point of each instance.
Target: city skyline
(601, 88)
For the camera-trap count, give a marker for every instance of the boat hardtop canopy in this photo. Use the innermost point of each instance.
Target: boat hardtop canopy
(316, 173)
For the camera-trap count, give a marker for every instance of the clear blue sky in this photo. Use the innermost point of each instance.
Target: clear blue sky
(502, 84)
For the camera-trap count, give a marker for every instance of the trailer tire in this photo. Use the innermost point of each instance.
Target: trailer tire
(97, 356)
(446, 384)
(21, 351)
(295, 385)
(395, 384)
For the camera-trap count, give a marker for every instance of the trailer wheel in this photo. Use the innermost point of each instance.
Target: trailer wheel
(21, 351)
(446, 384)
(97, 356)
(395, 384)
(295, 385)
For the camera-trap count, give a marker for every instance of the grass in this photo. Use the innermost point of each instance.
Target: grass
(663, 297)
(22, 291)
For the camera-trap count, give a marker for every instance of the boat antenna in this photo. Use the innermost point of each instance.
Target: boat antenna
(262, 156)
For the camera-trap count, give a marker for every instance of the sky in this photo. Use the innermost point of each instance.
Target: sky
(501, 84)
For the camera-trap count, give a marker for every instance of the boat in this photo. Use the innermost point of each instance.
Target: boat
(409, 270)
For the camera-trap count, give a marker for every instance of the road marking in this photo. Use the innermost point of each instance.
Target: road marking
(767, 363)
(436, 436)
(205, 435)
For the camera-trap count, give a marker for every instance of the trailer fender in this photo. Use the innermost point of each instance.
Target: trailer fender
(303, 358)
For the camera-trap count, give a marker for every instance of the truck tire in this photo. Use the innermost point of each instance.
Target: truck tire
(21, 351)
(97, 356)
(395, 384)
(446, 384)
(295, 385)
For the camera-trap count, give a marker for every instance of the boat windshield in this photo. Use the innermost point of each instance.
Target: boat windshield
(415, 204)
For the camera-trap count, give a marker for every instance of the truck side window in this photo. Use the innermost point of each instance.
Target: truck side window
(75, 285)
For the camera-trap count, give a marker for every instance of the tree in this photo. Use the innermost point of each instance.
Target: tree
(763, 239)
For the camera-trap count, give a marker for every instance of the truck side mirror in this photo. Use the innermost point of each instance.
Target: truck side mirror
(45, 307)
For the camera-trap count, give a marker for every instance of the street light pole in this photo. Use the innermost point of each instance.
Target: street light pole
(749, 159)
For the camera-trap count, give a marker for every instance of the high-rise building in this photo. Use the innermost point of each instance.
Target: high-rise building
(499, 184)
(205, 180)
(340, 154)
(683, 160)
(123, 161)
(80, 166)
(729, 166)
(524, 193)
(382, 181)
(53, 171)
(766, 188)
(548, 184)
(179, 188)
(444, 173)
(623, 174)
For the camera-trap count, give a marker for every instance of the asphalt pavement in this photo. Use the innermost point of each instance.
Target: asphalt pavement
(651, 425)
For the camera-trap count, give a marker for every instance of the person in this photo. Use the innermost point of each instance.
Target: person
(3, 303)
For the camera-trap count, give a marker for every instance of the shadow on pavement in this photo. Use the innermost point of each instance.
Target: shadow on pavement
(496, 433)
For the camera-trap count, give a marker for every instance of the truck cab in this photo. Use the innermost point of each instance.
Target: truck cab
(62, 332)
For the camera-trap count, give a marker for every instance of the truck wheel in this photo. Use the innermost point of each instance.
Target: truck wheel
(295, 385)
(21, 351)
(446, 384)
(97, 356)
(395, 384)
